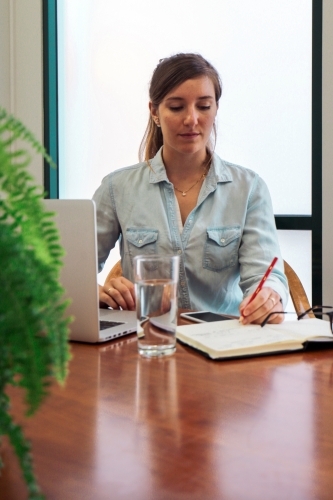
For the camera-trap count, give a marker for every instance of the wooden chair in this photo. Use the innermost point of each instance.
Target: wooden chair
(297, 292)
(115, 272)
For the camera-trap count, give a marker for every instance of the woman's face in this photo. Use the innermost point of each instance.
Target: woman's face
(186, 116)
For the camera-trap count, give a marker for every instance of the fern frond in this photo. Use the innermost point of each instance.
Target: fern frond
(33, 323)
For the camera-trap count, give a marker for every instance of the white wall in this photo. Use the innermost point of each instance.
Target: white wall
(4, 54)
(21, 87)
(21, 93)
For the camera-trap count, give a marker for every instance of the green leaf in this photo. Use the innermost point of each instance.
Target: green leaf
(33, 324)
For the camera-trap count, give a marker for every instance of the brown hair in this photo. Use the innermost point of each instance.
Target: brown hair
(170, 73)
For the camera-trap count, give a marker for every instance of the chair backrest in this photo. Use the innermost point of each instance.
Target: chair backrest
(115, 272)
(297, 292)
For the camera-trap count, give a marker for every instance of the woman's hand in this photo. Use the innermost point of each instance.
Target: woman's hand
(266, 302)
(118, 293)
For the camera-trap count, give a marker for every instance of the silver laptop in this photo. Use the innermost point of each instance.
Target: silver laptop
(76, 221)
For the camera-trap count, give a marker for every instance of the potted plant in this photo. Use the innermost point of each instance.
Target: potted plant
(33, 324)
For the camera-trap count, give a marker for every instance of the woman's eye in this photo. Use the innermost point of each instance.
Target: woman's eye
(203, 107)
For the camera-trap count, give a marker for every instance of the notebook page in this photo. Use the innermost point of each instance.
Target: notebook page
(234, 336)
(305, 328)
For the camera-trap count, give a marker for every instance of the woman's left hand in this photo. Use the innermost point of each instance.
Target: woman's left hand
(266, 302)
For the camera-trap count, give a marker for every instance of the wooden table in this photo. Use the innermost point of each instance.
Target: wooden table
(182, 427)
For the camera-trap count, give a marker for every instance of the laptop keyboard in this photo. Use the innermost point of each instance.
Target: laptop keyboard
(108, 324)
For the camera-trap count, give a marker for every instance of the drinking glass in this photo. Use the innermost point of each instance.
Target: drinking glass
(156, 287)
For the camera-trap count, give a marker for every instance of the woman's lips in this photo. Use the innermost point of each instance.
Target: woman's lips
(189, 135)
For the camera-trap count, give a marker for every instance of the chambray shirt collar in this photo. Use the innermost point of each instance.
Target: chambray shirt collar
(157, 170)
(218, 172)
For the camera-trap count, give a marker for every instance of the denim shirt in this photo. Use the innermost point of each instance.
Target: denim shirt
(228, 240)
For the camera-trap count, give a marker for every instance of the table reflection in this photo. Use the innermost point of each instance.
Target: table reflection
(265, 444)
(184, 423)
(184, 427)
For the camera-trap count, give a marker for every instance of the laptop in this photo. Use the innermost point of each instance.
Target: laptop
(76, 221)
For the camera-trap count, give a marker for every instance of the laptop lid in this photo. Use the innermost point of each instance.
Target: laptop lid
(76, 221)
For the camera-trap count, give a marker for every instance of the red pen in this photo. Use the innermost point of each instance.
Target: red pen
(261, 284)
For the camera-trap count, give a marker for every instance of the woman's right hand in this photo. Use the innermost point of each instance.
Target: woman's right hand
(118, 293)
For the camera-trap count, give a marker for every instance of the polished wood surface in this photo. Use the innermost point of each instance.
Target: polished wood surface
(183, 427)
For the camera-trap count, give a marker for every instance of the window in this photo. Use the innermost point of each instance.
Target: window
(269, 58)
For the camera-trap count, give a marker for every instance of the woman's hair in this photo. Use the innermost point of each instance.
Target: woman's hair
(170, 73)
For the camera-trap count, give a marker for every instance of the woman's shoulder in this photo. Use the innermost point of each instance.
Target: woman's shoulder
(152, 171)
(136, 167)
(238, 177)
(228, 169)
(120, 174)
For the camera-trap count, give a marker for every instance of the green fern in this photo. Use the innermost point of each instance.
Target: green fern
(33, 325)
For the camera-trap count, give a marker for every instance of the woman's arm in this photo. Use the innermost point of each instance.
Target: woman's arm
(116, 292)
(258, 247)
(108, 227)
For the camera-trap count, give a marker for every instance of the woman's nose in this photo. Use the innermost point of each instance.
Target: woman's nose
(191, 117)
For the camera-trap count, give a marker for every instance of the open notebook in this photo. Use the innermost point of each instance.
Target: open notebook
(228, 339)
(76, 221)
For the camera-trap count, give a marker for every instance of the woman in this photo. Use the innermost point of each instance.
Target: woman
(184, 199)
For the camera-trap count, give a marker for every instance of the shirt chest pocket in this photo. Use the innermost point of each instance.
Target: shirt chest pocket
(141, 241)
(221, 247)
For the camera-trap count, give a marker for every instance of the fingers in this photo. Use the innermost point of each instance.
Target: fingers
(266, 302)
(118, 293)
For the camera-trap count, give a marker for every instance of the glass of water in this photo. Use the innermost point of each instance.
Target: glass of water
(156, 287)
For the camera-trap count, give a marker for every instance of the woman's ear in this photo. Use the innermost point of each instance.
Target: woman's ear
(154, 114)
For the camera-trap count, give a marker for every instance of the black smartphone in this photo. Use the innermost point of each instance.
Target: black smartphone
(203, 316)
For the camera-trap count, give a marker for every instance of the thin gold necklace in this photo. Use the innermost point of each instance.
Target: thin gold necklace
(184, 193)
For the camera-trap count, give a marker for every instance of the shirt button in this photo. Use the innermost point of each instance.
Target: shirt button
(140, 241)
(222, 240)
(179, 252)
